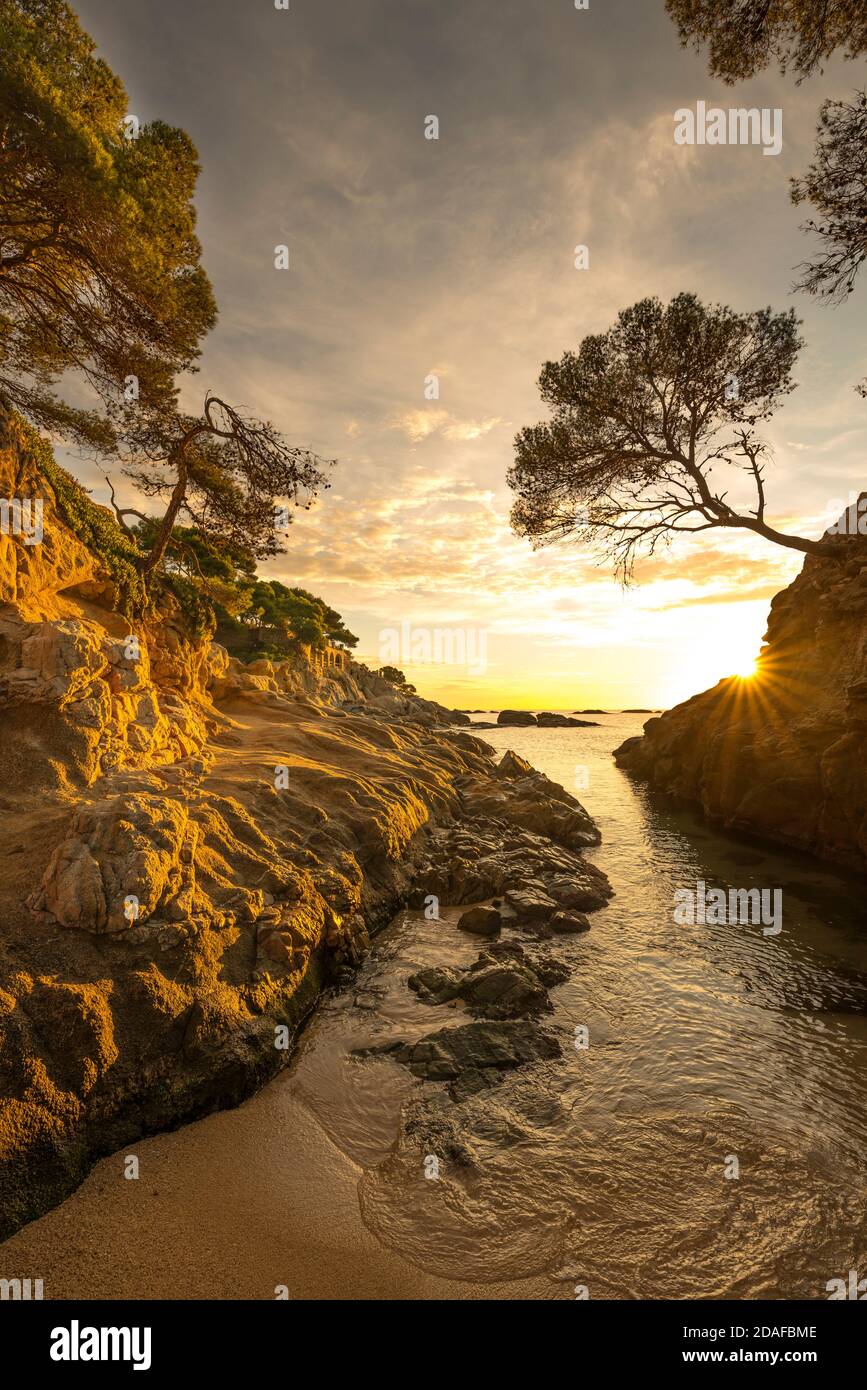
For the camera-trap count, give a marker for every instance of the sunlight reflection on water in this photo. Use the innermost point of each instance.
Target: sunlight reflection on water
(607, 1167)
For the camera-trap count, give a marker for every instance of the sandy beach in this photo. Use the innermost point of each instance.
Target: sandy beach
(229, 1208)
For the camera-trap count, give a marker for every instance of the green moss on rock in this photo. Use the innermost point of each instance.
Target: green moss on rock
(93, 525)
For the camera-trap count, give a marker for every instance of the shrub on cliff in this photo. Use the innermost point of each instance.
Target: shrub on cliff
(93, 525)
(271, 620)
(396, 678)
(216, 584)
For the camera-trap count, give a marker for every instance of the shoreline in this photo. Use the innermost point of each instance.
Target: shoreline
(386, 791)
(316, 1182)
(287, 1214)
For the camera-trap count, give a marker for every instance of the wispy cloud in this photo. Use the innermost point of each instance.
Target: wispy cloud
(420, 424)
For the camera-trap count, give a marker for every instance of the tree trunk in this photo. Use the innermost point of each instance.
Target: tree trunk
(179, 492)
(822, 548)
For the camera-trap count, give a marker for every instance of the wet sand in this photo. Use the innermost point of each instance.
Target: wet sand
(284, 1212)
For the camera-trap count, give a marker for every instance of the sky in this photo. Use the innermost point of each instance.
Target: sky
(411, 257)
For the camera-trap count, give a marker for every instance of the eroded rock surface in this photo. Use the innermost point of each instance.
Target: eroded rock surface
(190, 848)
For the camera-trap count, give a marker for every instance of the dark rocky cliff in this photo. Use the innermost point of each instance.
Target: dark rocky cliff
(782, 755)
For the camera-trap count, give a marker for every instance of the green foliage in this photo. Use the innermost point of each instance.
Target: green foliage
(207, 577)
(836, 185)
(396, 677)
(333, 628)
(745, 36)
(216, 584)
(275, 619)
(214, 581)
(200, 556)
(100, 276)
(197, 607)
(93, 525)
(644, 419)
(99, 261)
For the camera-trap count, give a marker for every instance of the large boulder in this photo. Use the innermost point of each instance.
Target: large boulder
(120, 861)
(481, 921)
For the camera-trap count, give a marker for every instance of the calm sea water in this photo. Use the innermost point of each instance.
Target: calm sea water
(714, 1051)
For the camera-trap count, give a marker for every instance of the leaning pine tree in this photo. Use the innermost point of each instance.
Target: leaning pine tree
(651, 423)
(100, 280)
(99, 260)
(232, 477)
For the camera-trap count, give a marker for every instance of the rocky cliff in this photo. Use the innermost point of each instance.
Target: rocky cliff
(191, 848)
(783, 754)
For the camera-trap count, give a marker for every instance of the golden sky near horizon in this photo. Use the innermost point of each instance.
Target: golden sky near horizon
(454, 257)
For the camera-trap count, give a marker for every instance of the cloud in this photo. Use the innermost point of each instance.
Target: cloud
(420, 424)
(716, 597)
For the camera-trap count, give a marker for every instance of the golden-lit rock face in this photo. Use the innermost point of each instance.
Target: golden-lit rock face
(782, 753)
(189, 846)
(31, 576)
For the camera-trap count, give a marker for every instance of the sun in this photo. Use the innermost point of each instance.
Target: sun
(747, 669)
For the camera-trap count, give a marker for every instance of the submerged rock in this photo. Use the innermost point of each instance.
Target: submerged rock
(563, 721)
(475, 1055)
(565, 923)
(503, 983)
